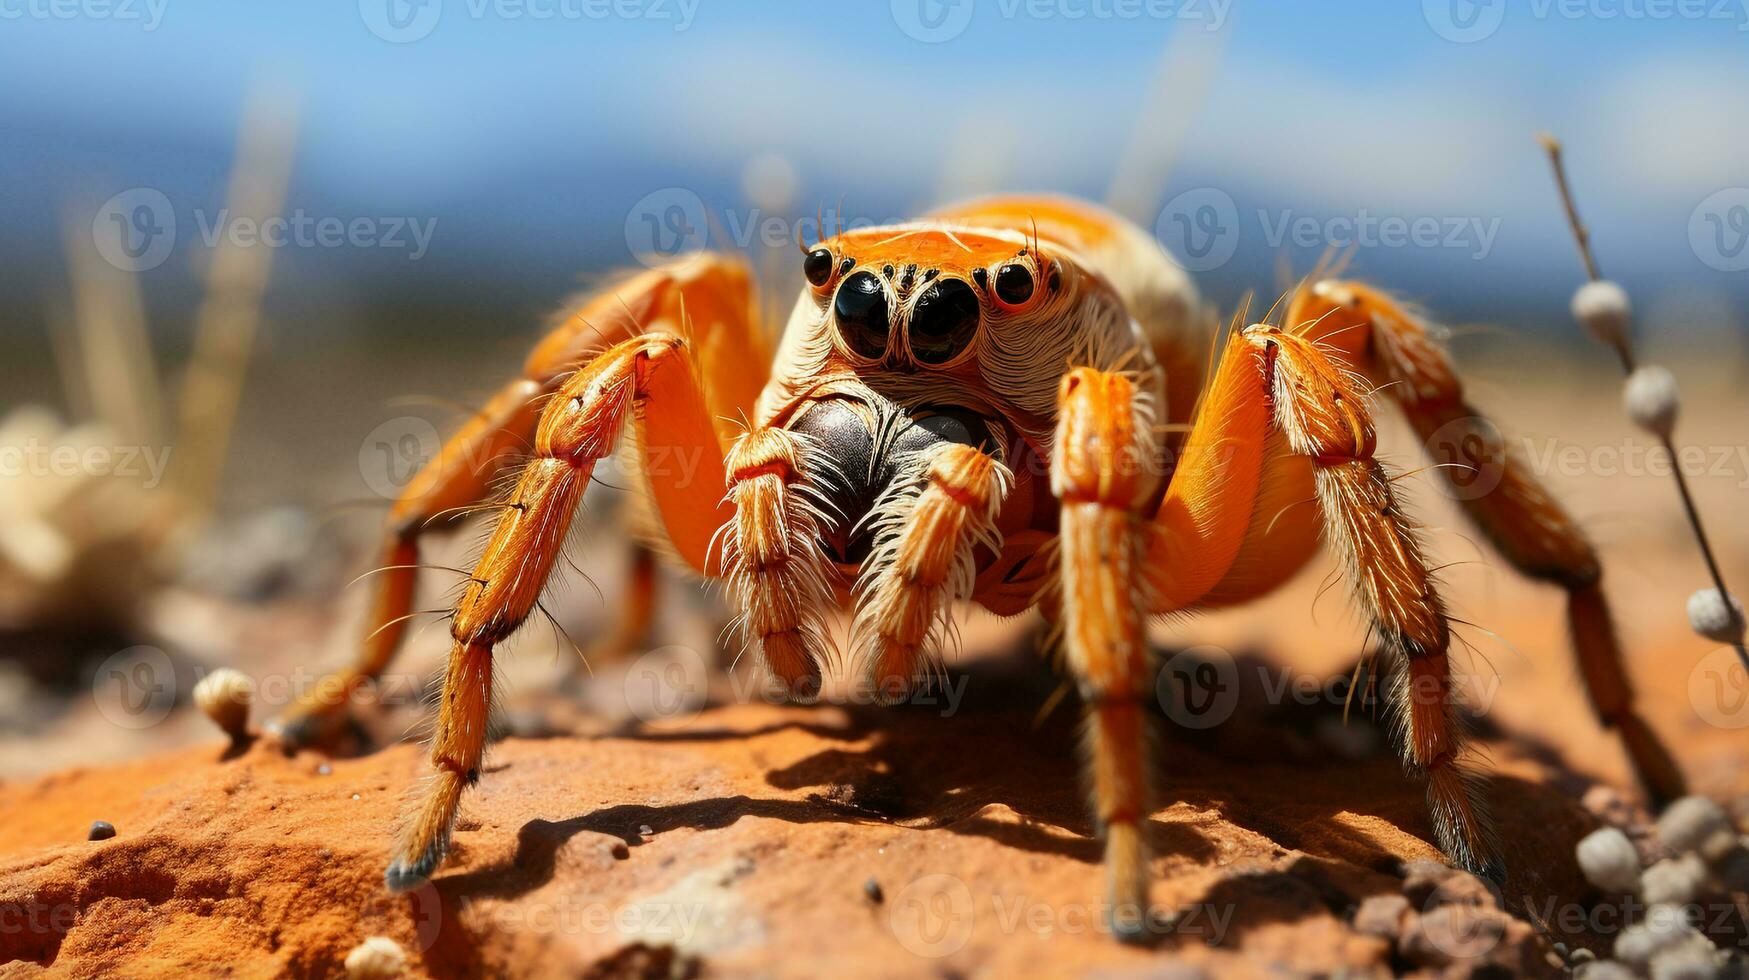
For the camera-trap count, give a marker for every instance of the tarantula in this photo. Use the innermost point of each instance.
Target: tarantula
(989, 404)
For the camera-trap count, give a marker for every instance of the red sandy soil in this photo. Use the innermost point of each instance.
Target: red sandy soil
(755, 839)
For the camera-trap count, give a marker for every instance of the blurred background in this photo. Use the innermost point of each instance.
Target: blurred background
(444, 173)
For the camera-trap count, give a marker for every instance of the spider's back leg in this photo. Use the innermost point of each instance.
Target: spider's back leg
(1493, 481)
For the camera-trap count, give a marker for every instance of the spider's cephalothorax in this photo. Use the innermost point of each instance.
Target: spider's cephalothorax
(980, 406)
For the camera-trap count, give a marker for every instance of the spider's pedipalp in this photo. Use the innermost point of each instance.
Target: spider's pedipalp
(940, 508)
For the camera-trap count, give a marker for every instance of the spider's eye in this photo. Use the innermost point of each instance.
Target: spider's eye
(817, 266)
(861, 311)
(944, 321)
(1014, 284)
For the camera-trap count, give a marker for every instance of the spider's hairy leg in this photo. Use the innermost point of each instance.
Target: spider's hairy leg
(926, 528)
(1102, 473)
(1492, 479)
(1296, 418)
(772, 558)
(579, 426)
(707, 297)
(455, 479)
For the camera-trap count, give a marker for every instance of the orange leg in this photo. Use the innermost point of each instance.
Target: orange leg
(578, 427)
(1285, 437)
(708, 297)
(1493, 482)
(922, 561)
(1102, 475)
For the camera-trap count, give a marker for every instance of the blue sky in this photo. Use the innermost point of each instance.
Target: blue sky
(530, 139)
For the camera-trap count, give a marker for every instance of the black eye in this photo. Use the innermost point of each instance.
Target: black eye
(1014, 284)
(861, 311)
(817, 266)
(944, 321)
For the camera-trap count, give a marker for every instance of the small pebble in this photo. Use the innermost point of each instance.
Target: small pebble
(1664, 927)
(620, 851)
(101, 830)
(1693, 957)
(872, 889)
(1673, 881)
(645, 830)
(324, 770)
(1609, 861)
(1581, 955)
(377, 958)
(1689, 822)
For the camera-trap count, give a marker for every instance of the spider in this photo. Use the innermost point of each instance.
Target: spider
(990, 404)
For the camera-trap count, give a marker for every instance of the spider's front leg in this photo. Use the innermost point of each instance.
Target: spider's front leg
(708, 296)
(651, 379)
(1104, 470)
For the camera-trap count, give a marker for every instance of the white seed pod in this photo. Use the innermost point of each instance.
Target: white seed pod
(225, 695)
(1692, 958)
(1664, 927)
(1602, 308)
(1687, 823)
(1652, 399)
(377, 958)
(1673, 881)
(1609, 861)
(1716, 616)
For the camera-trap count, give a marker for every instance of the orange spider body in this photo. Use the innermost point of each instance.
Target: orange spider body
(1008, 402)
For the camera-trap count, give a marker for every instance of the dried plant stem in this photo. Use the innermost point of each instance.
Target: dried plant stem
(1624, 351)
